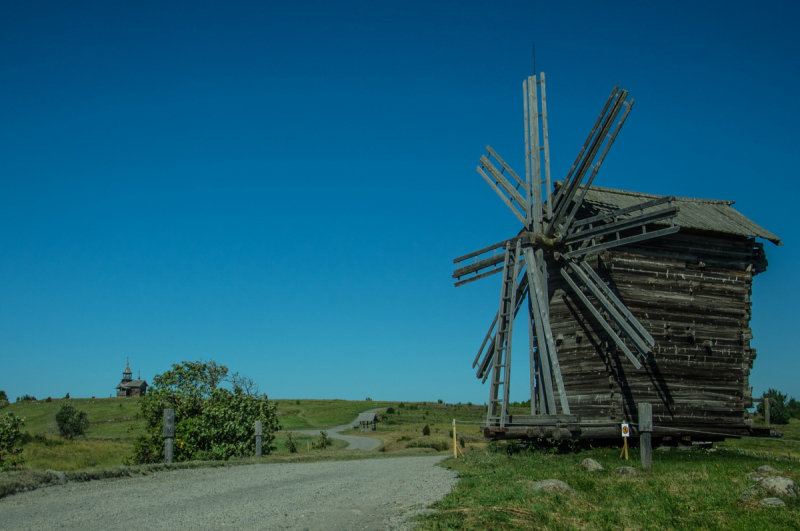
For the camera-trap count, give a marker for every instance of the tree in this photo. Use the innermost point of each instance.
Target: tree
(211, 422)
(10, 440)
(793, 407)
(71, 422)
(245, 383)
(778, 410)
(3, 395)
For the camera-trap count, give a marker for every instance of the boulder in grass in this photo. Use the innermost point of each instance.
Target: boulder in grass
(771, 502)
(591, 465)
(766, 469)
(553, 485)
(626, 470)
(776, 485)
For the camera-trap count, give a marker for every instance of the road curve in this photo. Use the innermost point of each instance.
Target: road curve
(356, 442)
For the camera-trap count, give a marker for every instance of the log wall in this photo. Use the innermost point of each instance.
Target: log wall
(692, 293)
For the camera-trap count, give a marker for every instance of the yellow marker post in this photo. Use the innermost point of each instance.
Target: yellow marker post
(455, 444)
(626, 432)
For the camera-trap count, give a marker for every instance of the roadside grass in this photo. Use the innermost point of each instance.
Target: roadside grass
(684, 490)
(108, 417)
(310, 414)
(64, 455)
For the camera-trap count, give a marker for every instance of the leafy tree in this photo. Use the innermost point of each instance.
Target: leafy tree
(71, 422)
(211, 422)
(778, 410)
(10, 440)
(3, 395)
(793, 406)
(27, 398)
(426, 430)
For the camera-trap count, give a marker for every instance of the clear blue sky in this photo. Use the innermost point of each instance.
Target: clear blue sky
(282, 186)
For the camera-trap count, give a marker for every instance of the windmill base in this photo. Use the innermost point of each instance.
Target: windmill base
(562, 427)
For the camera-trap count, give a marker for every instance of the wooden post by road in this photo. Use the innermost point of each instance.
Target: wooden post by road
(169, 434)
(455, 443)
(646, 434)
(766, 410)
(258, 438)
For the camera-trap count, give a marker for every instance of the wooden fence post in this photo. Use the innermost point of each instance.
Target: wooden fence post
(169, 434)
(646, 434)
(766, 410)
(258, 438)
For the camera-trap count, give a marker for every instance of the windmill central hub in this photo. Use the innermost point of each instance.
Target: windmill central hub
(537, 240)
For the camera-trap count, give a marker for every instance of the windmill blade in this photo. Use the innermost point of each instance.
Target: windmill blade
(540, 314)
(562, 216)
(486, 351)
(593, 248)
(621, 344)
(501, 362)
(507, 191)
(615, 309)
(569, 179)
(614, 214)
(620, 225)
(596, 167)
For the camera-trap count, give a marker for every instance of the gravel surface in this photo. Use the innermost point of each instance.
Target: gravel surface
(344, 495)
(355, 442)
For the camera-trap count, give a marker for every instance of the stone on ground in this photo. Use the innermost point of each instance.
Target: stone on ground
(771, 502)
(766, 469)
(777, 485)
(591, 465)
(553, 485)
(626, 470)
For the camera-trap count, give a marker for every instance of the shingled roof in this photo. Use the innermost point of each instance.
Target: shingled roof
(700, 214)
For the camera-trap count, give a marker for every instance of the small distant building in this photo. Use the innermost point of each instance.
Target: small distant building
(128, 386)
(368, 421)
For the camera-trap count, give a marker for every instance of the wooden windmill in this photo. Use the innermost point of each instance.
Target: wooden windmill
(553, 241)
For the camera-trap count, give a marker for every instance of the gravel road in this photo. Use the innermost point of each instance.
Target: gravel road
(372, 494)
(356, 442)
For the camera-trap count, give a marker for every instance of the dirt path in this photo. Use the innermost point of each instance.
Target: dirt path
(356, 442)
(373, 494)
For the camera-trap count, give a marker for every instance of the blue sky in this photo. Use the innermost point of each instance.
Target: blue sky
(282, 187)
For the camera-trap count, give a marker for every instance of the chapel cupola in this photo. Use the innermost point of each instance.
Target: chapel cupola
(127, 374)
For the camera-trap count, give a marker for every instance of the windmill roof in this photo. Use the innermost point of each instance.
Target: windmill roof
(701, 214)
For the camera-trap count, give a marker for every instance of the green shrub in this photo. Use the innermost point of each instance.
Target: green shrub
(778, 409)
(10, 441)
(426, 430)
(26, 398)
(404, 438)
(3, 395)
(211, 422)
(290, 444)
(71, 422)
(322, 441)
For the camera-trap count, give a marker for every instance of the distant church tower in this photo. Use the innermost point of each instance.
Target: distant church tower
(127, 375)
(128, 386)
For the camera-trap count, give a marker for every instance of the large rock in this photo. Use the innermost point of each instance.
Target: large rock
(766, 469)
(626, 470)
(776, 485)
(591, 465)
(553, 485)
